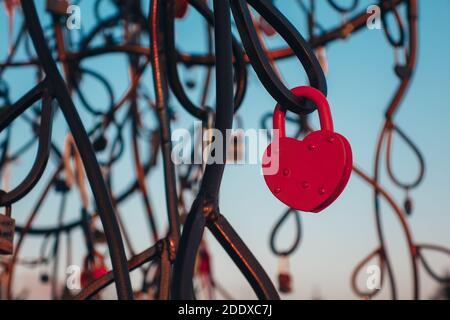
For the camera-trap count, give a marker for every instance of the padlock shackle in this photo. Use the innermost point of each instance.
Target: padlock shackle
(326, 120)
(97, 259)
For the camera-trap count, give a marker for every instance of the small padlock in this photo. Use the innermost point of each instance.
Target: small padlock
(403, 72)
(10, 7)
(97, 270)
(181, 8)
(284, 276)
(191, 83)
(100, 143)
(44, 277)
(98, 236)
(4, 90)
(309, 174)
(58, 7)
(204, 261)
(408, 206)
(7, 229)
(61, 185)
(284, 283)
(235, 152)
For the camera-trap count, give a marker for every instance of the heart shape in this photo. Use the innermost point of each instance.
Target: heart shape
(308, 175)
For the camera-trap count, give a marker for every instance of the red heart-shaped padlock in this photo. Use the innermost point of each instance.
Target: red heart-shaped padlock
(309, 174)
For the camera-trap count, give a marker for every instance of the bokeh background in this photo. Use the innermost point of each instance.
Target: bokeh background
(361, 83)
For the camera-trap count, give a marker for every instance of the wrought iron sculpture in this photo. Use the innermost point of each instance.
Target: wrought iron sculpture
(148, 42)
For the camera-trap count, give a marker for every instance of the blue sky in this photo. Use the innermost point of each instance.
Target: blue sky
(361, 83)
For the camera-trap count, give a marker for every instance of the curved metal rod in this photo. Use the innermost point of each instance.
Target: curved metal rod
(260, 62)
(276, 229)
(405, 227)
(242, 257)
(42, 155)
(100, 192)
(140, 174)
(50, 230)
(401, 38)
(122, 196)
(24, 232)
(182, 286)
(135, 262)
(172, 70)
(341, 9)
(415, 150)
(412, 7)
(157, 14)
(352, 26)
(370, 294)
(428, 269)
(206, 203)
(75, 83)
(10, 113)
(357, 23)
(393, 107)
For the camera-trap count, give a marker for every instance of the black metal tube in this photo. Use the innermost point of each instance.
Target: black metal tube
(100, 192)
(224, 94)
(156, 16)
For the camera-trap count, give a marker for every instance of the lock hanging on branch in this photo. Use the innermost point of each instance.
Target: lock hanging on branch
(309, 174)
(7, 229)
(58, 7)
(284, 276)
(235, 151)
(94, 268)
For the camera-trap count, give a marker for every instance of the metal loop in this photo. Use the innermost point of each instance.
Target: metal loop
(276, 229)
(396, 43)
(342, 9)
(260, 62)
(417, 153)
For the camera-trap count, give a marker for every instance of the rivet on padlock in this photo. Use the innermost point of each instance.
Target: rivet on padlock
(7, 229)
(319, 165)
